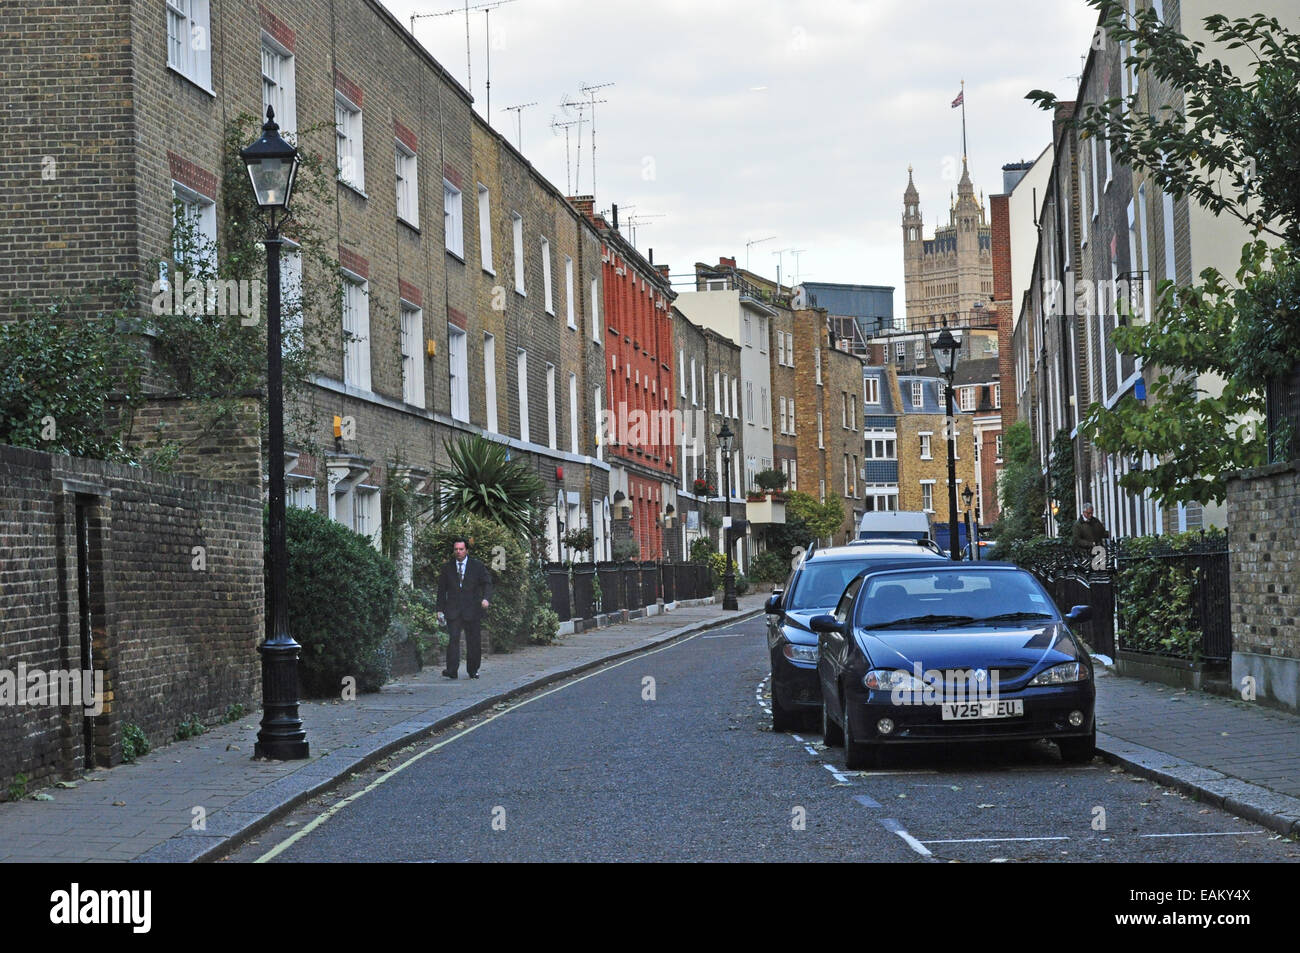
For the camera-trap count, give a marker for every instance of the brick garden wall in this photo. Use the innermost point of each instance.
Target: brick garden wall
(1264, 579)
(174, 634)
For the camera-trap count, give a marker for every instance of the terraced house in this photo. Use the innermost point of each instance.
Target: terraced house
(484, 320)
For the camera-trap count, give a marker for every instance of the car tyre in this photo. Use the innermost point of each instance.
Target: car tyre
(783, 719)
(858, 756)
(832, 734)
(1078, 750)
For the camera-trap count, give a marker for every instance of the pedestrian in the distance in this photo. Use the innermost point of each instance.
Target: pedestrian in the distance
(464, 594)
(1088, 531)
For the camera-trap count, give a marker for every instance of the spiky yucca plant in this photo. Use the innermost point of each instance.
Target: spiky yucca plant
(482, 481)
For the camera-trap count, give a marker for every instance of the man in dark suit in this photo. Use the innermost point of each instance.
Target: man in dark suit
(464, 593)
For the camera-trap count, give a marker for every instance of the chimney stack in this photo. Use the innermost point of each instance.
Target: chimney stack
(726, 262)
(585, 204)
(614, 213)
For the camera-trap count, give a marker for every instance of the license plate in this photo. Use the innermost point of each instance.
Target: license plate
(1002, 708)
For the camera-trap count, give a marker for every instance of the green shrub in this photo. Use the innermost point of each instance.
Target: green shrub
(625, 550)
(543, 621)
(234, 713)
(18, 787)
(769, 567)
(507, 620)
(701, 549)
(190, 728)
(134, 743)
(1153, 595)
(742, 584)
(341, 594)
(416, 618)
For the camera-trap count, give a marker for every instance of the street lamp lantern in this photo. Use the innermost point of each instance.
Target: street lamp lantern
(726, 440)
(945, 348)
(966, 496)
(272, 166)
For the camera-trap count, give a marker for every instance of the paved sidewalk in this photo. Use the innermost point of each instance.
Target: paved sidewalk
(1235, 754)
(147, 811)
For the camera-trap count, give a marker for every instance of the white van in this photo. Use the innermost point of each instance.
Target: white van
(894, 524)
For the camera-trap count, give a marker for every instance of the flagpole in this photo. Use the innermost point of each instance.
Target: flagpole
(963, 120)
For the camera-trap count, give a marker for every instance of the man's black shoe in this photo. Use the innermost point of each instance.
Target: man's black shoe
(475, 675)
(447, 674)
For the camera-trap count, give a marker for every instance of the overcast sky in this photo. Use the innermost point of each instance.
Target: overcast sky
(736, 120)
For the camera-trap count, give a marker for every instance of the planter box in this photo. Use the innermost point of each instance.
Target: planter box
(1179, 672)
(766, 510)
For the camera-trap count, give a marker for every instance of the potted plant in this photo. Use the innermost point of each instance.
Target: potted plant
(702, 487)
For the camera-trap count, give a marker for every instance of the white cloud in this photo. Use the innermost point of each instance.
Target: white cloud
(794, 118)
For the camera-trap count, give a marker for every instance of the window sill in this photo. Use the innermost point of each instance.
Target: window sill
(489, 271)
(358, 189)
(191, 80)
(455, 254)
(413, 227)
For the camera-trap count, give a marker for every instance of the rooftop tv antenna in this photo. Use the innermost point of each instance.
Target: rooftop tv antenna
(591, 98)
(556, 126)
(581, 106)
(796, 252)
(487, 8)
(519, 122)
(635, 220)
(756, 241)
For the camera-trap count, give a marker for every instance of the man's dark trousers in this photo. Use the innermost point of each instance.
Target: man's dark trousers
(461, 601)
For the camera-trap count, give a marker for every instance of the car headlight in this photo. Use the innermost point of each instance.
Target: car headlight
(1062, 674)
(800, 653)
(891, 680)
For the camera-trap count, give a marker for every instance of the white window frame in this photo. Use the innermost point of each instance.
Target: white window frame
(490, 380)
(568, 291)
(412, 343)
(201, 212)
(765, 407)
(918, 394)
(595, 310)
(458, 372)
(926, 447)
(573, 413)
(189, 41)
(695, 402)
(550, 406)
(927, 495)
(406, 172)
(791, 416)
(485, 229)
(278, 74)
(521, 369)
(349, 142)
(453, 220)
(547, 298)
(517, 232)
(356, 327)
(872, 390)
(966, 399)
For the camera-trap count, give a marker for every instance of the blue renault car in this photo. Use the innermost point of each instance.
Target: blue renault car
(950, 652)
(815, 587)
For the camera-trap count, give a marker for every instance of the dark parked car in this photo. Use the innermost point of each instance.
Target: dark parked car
(952, 652)
(814, 587)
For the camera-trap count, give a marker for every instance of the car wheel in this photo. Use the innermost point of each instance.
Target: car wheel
(783, 719)
(857, 756)
(832, 734)
(1078, 750)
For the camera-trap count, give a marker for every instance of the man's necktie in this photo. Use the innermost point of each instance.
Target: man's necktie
(460, 568)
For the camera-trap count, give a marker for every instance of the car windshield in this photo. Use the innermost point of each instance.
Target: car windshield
(949, 597)
(820, 584)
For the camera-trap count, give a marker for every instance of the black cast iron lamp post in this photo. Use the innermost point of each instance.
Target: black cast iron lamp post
(945, 348)
(272, 166)
(966, 496)
(725, 441)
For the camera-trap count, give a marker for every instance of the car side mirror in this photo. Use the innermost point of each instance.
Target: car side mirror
(1079, 614)
(825, 623)
(773, 606)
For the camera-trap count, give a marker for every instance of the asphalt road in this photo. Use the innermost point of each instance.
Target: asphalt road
(670, 756)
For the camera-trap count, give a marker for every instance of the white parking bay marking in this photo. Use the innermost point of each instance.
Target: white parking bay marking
(866, 801)
(987, 840)
(836, 774)
(733, 635)
(1208, 834)
(892, 825)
